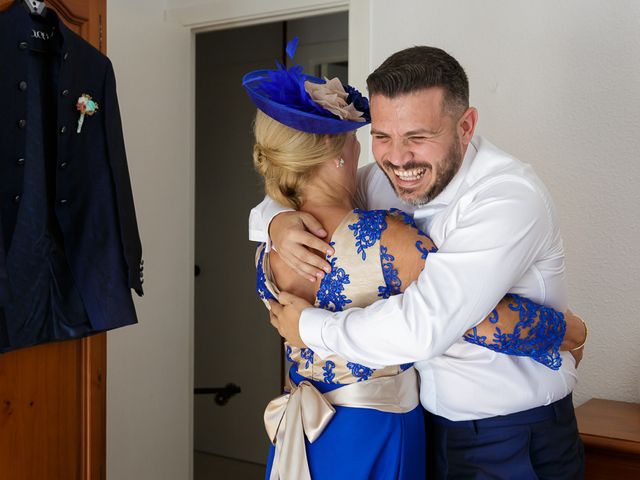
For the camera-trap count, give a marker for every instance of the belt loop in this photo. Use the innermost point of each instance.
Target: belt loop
(562, 406)
(557, 411)
(475, 426)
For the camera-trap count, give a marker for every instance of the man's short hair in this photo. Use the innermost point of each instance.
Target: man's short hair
(421, 67)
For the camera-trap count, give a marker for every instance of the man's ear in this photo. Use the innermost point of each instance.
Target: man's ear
(467, 125)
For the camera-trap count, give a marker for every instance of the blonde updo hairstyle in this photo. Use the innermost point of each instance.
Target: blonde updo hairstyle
(287, 158)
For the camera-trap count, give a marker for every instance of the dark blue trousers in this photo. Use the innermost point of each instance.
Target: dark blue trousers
(541, 443)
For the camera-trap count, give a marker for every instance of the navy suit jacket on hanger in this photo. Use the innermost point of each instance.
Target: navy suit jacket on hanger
(70, 251)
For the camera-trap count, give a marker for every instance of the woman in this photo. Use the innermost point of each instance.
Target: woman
(360, 422)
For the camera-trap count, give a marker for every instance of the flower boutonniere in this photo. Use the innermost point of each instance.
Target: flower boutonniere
(86, 106)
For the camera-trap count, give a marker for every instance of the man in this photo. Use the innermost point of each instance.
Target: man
(489, 415)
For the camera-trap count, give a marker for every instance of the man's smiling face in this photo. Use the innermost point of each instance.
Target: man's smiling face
(416, 143)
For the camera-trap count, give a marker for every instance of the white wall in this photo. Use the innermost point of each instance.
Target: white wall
(149, 434)
(150, 365)
(557, 85)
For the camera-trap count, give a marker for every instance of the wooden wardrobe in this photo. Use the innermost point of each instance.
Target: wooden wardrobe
(53, 396)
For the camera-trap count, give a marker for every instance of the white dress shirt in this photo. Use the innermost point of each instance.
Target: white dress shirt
(496, 231)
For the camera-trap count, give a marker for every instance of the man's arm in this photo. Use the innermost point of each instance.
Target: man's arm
(260, 218)
(262, 215)
(293, 233)
(299, 232)
(496, 239)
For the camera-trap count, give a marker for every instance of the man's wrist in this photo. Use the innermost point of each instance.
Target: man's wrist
(269, 243)
(311, 324)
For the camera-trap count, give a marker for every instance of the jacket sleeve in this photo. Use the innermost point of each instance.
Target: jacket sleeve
(117, 157)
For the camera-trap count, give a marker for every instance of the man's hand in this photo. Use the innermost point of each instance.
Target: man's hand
(293, 234)
(575, 335)
(285, 317)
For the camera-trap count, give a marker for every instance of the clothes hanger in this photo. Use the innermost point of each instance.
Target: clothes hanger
(36, 7)
(39, 9)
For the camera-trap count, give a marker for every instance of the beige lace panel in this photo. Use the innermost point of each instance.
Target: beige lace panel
(364, 278)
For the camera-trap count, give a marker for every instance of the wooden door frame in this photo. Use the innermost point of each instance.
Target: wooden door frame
(94, 407)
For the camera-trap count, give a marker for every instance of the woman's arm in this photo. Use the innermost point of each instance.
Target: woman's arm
(517, 326)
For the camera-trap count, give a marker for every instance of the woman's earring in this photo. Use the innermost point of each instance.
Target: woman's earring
(340, 163)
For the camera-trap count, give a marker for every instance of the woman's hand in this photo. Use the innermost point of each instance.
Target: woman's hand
(292, 235)
(575, 336)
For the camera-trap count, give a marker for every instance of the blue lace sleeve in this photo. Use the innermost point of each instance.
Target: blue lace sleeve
(538, 334)
(392, 282)
(368, 229)
(408, 219)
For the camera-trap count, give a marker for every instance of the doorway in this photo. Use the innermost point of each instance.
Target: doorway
(235, 346)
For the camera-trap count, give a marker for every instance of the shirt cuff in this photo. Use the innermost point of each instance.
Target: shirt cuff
(311, 322)
(259, 230)
(258, 236)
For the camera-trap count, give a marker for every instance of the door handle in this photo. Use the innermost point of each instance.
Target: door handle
(222, 395)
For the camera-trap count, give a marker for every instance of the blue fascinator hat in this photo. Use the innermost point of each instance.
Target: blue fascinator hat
(304, 102)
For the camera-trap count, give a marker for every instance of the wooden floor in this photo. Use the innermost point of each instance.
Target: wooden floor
(213, 467)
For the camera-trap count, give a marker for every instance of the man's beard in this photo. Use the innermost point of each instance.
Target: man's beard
(450, 167)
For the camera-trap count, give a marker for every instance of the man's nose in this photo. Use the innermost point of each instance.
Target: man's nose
(400, 154)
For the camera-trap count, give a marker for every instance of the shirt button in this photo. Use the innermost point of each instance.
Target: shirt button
(63, 130)
(22, 123)
(22, 86)
(20, 161)
(62, 201)
(63, 165)
(16, 199)
(23, 45)
(65, 92)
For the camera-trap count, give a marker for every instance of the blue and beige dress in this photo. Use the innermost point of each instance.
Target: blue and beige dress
(350, 421)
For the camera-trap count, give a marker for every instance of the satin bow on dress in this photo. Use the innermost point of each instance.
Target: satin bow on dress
(306, 412)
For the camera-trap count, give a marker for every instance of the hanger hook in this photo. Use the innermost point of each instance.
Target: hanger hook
(36, 7)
